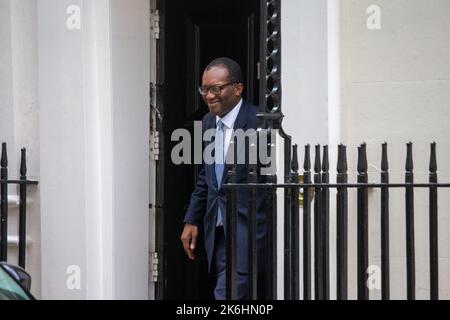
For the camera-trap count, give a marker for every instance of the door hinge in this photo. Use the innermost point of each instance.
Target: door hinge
(155, 117)
(154, 146)
(154, 267)
(258, 70)
(154, 23)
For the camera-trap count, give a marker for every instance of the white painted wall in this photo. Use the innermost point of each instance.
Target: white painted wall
(130, 86)
(305, 70)
(6, 80)
(305, 89)
(26, 129)
(19, 119)
(345, 83)
(395, 88)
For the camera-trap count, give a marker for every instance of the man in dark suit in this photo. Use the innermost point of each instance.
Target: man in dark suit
(222, 92)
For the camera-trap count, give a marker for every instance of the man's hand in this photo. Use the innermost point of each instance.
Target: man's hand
(189, 239)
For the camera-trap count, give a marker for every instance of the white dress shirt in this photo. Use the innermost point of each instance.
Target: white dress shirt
(228, 124)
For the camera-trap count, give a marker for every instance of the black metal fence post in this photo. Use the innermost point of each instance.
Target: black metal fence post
(318, 249)
(362, 230)
(271, 230)
(252, 231)
(22, 208)
(410, 247)
(295, 219)
(231, 232)
(4, 205)
(288, 272)
(270, 95)
(434, 263)
(271, 240)
(409, 205)
(326, 225)
(22, 183)
(306, 226)
(342, 222)
(320, 190)
(385, 260)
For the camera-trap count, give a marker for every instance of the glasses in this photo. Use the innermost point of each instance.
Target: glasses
(215, 90)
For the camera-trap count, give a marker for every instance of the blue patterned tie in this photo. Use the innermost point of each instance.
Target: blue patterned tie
(220, 162)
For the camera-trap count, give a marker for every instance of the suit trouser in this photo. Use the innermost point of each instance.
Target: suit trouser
(220, 260)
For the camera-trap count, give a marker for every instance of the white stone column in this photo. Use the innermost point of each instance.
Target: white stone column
(25, 124)
(93, 97)
(130, 36)
(6, 83)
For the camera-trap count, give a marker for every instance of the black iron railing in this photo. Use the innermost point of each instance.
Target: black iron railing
(4, 183)
(319, 209)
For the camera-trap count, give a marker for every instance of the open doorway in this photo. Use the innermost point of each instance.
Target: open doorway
(193, 32)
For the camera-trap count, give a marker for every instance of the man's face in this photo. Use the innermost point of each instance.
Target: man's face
(230, 94)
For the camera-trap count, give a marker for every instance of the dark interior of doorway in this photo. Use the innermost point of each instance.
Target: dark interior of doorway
(194, 33)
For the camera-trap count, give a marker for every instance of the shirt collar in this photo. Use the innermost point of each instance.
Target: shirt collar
(229, 119)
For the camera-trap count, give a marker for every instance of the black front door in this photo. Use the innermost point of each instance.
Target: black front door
(194, 32)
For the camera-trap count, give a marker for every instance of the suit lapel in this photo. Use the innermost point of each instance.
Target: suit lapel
(241, 119)
(210, 123)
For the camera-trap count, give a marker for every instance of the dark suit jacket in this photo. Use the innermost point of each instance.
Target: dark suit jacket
(207, 196)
